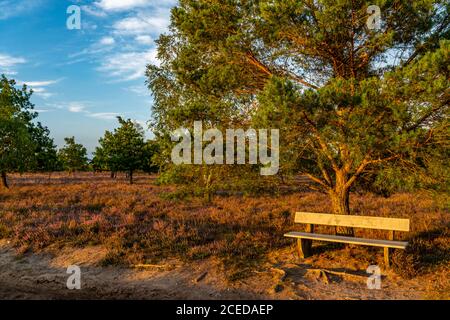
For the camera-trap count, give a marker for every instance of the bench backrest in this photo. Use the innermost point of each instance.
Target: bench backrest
(392, 224)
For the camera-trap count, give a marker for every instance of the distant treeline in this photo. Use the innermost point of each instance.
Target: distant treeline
(26, 145)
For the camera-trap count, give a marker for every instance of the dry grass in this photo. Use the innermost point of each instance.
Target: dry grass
(139, 224)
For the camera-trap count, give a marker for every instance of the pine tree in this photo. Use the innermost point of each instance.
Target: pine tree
(124, 149)
(46, 154)
(73, 156)
(348, 99)
(16, 144)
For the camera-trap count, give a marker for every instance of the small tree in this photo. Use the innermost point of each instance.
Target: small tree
(16, 144)
(105, 155)
(124, 149)
(46, 154)
(73, 156)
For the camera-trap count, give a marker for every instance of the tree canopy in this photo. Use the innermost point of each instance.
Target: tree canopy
(24, 144)
(46, 154)
(125, 150)
(73, 156)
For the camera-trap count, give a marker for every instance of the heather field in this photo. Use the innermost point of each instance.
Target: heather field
(231, 247)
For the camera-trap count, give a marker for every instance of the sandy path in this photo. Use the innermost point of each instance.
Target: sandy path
(43, 276)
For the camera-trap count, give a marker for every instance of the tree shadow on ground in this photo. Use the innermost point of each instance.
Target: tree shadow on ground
(425, 252)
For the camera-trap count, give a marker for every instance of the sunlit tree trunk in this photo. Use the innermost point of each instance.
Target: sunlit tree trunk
(340, 201)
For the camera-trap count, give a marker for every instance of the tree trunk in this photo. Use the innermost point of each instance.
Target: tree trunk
(130, 176)
(207, 180)
(4, 180)
(340, 201)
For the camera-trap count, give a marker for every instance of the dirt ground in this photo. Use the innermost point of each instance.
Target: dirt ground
(43, 276)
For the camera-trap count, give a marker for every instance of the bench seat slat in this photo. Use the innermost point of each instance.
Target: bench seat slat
(351, 221)
(351, 240)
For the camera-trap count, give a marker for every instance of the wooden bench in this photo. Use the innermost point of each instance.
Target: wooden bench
(304, 239)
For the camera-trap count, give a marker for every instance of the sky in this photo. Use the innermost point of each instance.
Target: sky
(83, 78)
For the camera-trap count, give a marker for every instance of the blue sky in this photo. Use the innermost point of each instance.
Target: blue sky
(83, 78)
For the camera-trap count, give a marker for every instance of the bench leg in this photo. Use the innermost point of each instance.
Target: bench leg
(304, 248)
(388, 251)
(387, 261)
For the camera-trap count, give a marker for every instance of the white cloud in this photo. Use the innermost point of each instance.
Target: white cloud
(120, 5)
(128, 65)
(38, 83)
(8, 72)
(144, 39)
(80, 107)
(76, 107)
(131, 26)
(43, 93)
(142, 24)
(40, 87)
(146, 20)
(96, 49)
(7, 62)
(93, 11)
(104, 115)
(107, 41)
